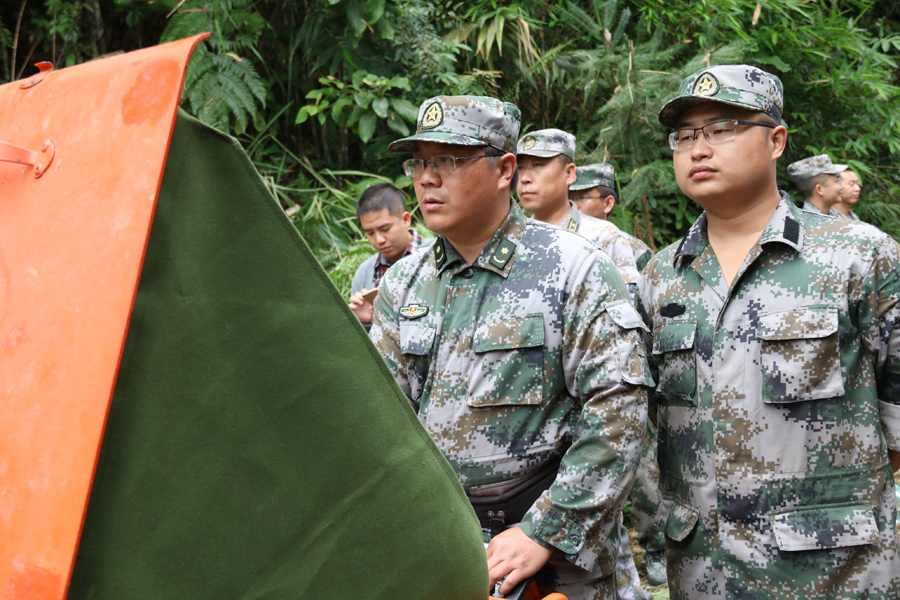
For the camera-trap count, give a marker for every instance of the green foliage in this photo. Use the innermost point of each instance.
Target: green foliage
(222, 87)
(317, 89)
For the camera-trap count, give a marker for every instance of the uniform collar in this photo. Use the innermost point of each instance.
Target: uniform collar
(572, 220)
(786, 227)
(497, 256)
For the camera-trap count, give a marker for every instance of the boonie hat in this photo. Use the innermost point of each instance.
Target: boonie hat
(743, 86)
(590, 176)
(546, 143)
(812, 166)
(464, 121)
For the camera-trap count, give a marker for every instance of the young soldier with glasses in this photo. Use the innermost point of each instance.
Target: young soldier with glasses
(776, 349)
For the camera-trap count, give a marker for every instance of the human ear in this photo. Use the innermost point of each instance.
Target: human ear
(571, 174)
(779, 141)
(507, 166)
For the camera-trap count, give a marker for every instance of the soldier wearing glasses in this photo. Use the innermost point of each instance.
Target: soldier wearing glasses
(594, 194)
(776, 345)
(518, 345)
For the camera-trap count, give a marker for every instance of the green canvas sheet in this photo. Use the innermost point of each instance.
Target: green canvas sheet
(257, 446)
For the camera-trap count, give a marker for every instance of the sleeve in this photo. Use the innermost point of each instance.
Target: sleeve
(643, 304)
(362, 276)
(603, 357)
(879, 323)
(385, 333)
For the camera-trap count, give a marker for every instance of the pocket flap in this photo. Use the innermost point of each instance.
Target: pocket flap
(626, 316)
(511, 332)
(681, 521)
(416, 337)
(811, 322)
(678, 335)
(824, 526)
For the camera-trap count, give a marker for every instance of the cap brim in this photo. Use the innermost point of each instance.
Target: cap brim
(835, 169)
(541, 153)
(577, 187)
(408, 144)
(671, 111)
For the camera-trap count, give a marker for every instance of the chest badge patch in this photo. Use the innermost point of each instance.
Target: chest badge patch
(413, 311)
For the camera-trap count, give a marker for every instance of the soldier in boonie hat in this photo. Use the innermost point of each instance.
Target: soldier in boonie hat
(590, 176)
(547, 143)
(743, 86)
(464, 121)
(816, 180)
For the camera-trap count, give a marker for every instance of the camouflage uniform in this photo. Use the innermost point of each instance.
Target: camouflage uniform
(644, 495)
(528, 355)
(777, 401)
(590, 176)
(607, 237)
(810, 167)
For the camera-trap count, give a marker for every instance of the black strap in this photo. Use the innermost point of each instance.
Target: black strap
(494, 512)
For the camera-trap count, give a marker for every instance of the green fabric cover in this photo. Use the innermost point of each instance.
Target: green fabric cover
(257, 446)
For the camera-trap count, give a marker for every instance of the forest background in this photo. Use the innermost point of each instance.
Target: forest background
(316, 89)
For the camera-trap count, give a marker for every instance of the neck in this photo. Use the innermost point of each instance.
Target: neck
(752, 219)
(470, 246)
(555, 213)
(821, 204)
(842, 208)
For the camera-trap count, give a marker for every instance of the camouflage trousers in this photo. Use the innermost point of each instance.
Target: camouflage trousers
(645, 497)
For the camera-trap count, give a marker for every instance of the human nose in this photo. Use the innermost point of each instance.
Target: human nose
(429, 175)
(701, 146)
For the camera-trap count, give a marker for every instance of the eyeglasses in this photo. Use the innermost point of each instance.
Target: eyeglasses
(442, 164)
(715, 133)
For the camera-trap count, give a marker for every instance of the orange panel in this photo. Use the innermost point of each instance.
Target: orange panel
(71, 246)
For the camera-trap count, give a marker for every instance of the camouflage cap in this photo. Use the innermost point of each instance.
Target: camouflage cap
(547, 142)
(744, 86)
(464, 121)
(812, 166)
(590, 176)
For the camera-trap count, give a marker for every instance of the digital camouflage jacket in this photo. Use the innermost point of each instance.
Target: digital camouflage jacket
(607, 237)
(777, 401)
(530, 354)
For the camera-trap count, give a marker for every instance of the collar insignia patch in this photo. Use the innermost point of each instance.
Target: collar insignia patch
(433, 116)
(440, 257)
(706, 85)
(502, 254)
(413, 311)
(572, 226)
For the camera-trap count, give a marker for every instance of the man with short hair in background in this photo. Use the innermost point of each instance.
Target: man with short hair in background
(546, 170)
(816, 179)
(518, 346)
(776, 345)
(849, 194)
(594, 194)
(382, 214)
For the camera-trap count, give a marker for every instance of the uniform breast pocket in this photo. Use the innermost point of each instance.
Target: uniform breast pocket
(673, 350)
(508, 365)
(799, 356)
(416, 340)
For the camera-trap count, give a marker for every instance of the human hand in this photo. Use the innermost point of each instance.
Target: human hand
(362, 308)
(516, 556)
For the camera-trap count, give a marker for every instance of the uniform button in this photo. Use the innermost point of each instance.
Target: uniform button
(468, 273)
